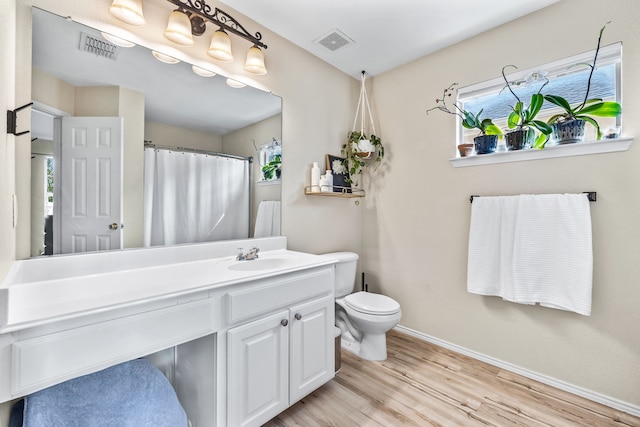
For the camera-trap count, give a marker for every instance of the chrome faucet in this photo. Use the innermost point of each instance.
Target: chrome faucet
(250, 255)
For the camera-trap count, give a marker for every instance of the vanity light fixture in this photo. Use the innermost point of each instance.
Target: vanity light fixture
(203, 72)
(179, 29)
(117, 40)
(191, 17)
(164, 58)
(128, 11)
(235, 84)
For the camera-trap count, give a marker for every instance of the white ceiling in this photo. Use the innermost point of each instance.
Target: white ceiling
(385, 34)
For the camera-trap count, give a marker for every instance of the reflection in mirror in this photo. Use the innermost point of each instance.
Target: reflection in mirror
(77, 72)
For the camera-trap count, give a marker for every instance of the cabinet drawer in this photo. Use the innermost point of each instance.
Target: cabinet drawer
(285, 291)
(50, 359)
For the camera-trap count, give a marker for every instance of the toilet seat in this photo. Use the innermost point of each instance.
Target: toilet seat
(370, 303)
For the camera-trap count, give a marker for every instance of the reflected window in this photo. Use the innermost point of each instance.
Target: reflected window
(270, 157)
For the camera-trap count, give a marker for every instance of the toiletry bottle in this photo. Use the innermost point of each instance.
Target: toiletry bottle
(329, 176)
(315, 178)
(324, 184)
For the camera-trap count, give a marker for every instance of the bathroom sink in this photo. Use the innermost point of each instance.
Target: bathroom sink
(259, 264)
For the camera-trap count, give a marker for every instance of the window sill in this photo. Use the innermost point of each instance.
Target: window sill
(268, 182)
(567, 150)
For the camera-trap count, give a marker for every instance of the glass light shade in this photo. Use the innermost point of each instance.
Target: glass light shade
(235, 84)
(129, 11)
(179, 29)
(164, 58)
(220, 47)
(255, 61)
(202, 71)
(117, 40)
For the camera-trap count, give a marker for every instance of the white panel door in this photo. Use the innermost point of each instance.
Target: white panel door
(312, 356)
(258, 380)
(90, 187)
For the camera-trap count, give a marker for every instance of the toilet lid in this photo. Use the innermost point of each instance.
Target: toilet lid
(370, 303)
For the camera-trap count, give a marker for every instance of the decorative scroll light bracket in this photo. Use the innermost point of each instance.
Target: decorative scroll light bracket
(12, 120)
(200, 12)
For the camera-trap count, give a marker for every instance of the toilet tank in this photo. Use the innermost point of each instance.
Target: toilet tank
(345, 272)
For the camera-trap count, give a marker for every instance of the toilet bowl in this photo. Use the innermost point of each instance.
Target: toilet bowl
(364, 318)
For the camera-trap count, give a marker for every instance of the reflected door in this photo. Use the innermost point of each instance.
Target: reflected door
(90, 185)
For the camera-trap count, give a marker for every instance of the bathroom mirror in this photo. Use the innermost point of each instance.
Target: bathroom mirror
(181, 109)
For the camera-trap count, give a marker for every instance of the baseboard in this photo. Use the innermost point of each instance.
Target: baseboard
(578, 391)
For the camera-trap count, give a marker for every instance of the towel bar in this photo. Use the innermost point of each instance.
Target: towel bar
(591, 195)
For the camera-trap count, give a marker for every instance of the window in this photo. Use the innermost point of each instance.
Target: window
(567, 78)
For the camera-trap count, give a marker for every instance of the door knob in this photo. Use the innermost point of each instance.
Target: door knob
(298, 316)
(284, 322)
(113, 226)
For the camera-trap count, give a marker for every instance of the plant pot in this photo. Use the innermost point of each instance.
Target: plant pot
(568, 132)
(485, 144)
(521, 139)
(365, 154)
(465, 150)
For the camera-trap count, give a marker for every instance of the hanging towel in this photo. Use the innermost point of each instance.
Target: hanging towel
(268, 219)
(532, 249)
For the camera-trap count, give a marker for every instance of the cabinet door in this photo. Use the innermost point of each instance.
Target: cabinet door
(312, 347)
(257, 377)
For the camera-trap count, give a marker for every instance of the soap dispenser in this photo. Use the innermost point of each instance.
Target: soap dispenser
(329, 176)
(324, 184)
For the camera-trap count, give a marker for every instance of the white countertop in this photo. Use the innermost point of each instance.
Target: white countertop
(29, 303)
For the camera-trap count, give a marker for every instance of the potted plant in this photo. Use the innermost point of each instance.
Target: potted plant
(523, 120)
(272, 170)
(568, 126)
(487, 141)
(360, 149)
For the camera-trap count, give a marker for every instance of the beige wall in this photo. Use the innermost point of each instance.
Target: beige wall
(173, 136)
(417, 220)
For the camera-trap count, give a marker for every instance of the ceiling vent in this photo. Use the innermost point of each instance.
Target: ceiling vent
(334, 40)
(98, 46)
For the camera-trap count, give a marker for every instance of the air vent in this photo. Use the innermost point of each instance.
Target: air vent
(334, 40)
(98, 46)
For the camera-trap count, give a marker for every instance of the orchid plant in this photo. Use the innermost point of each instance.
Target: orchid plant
(469, 120)
(522, 118)
(588, 107)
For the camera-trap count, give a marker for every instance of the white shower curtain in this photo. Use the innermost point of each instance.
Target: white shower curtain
(191, 198)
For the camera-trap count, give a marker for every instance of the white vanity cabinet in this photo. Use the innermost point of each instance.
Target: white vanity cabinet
(278, 359)
(239, 341)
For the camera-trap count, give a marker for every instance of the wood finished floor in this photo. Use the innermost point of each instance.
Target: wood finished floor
(421, 384)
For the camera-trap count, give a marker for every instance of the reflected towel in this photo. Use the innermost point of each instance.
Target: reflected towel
(131, 394)
(532, 249)
(268, 219)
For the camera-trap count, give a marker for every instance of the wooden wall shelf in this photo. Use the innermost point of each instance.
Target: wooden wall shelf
(354, 192)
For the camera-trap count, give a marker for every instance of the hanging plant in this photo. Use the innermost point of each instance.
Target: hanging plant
(361, 148)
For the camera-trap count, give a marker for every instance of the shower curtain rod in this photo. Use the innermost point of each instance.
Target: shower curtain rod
(148, 144)
(591, 195)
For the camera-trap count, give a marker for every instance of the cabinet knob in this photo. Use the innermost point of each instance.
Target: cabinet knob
(298, 316)
(284, 322)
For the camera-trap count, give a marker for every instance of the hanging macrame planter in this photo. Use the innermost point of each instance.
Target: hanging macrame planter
(362, 144)
(362, 147)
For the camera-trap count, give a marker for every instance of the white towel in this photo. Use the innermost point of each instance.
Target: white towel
(532, 249)
(268, 219)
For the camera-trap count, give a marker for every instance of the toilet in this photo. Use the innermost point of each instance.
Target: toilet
(363, 317)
